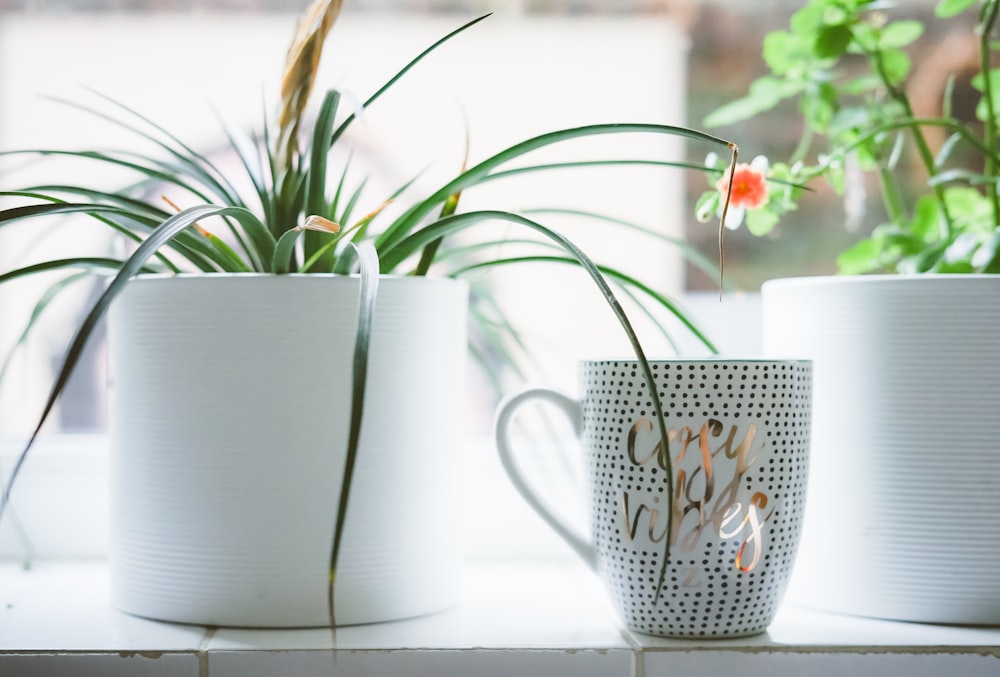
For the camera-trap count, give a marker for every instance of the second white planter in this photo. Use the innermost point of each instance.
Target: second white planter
(904, 493)
(229, 422)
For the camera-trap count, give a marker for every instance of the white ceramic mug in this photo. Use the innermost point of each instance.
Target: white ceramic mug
(738, 443)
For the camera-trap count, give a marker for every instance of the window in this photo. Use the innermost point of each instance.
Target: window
(535, 66)
(519, 75)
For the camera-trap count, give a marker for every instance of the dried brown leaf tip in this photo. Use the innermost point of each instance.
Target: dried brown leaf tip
(320, 224)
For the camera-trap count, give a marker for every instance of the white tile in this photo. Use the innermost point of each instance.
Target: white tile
(516, 620)
(65, 607)
(799, 627)
(423, 663)
(507, 606)
(708, 663)
(105, 665)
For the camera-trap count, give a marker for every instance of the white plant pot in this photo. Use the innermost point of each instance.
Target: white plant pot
(230, 402)
(904, 489)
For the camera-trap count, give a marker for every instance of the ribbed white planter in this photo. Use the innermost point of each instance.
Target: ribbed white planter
(904, 489)
(229, 423)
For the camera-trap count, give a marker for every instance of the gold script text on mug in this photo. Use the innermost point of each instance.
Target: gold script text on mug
(729, 516)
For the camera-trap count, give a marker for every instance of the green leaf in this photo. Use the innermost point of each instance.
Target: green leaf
(284, 250)
(153, 173)
(246, 148)
(949, 8)
(224, 256)
(895, 65)
(930, 258)
(625, 280)
(850, 118)
(961, 176)
(819, 107)
(15, 214)
(761, 221)
(983, 105)
(735, 111)
(861, 258)
(413, 62)
(352, 203)
(987, 259)
(417, 240)
(691, 253)
(865, 38)
(783, 52)
(135, 263)
(314, 247)
(90, 264)
(707, 205)
(832, 41)
(926, 221)
(808, 20)
(945, 152)
(197, 165)
(408, 220)
(338, 192)
(528, 169)
(41, 304)
(765, 94)
(367, 294)
(315, 197)
(861, 84)
(900, 34)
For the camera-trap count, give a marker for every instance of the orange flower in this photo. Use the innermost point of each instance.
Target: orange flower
(749, 187)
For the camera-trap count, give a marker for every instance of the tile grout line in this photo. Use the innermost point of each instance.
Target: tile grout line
(638, 653)
(206, 640)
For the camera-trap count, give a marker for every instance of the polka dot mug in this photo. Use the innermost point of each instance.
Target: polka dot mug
(710, 553)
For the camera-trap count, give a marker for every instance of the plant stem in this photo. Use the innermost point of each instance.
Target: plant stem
(985, 29)
(890, 197)
(802, 149)
(923, 148)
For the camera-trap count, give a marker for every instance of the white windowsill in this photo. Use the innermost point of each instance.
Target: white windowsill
(524, 619)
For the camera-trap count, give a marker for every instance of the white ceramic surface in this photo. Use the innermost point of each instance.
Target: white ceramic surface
(904, 494)
(738, 438)
(229, 420)
(534, 618)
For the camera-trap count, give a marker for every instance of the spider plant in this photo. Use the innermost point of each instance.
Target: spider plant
(299, 217)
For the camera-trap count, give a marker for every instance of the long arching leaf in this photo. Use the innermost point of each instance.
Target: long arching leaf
(89, 264)
(369, 269)
(200, 167)
(194, 248)
(401, 72)
(247, 149)
(409, 220)
(41, 304)
(613, 273)
(133, 265)
(452, 224)
(154, 173)
(584, 164)
(691, 253)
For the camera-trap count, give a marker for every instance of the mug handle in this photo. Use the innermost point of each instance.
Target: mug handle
(502, 432)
